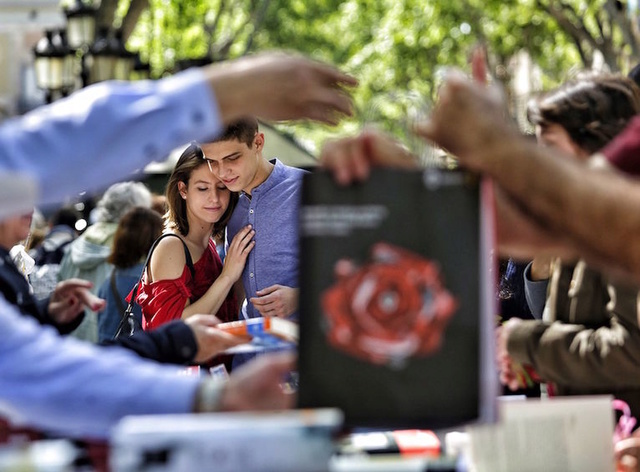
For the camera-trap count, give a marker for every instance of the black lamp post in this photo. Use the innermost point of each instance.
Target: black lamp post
(81, 24)
(68, 69)
(125, 60)
(141, 69)
(81, 27)
(104, 54)
(63, 56)
(53, 64)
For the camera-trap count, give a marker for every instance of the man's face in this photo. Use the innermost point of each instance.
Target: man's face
(15, 229)
(235, 163)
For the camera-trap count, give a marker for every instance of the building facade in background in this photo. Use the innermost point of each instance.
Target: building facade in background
(22, 23)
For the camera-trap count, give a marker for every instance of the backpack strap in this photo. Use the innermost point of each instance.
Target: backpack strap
(115, 293)
(129, 309)
(187, 254)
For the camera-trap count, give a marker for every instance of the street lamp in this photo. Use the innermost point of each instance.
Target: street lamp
(141, 69)
(81, 27)
(104, 54)
(61, 56)
(81, 24)
(125, 60)
(110, 59)
(53, 64)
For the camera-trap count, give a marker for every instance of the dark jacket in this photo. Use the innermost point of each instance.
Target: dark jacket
(171, 343)
(589, 341)
(16, 290)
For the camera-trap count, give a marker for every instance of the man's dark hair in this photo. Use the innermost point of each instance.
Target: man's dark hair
(593, 108)
(243, 130)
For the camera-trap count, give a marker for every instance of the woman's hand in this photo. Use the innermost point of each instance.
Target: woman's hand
(238, 252)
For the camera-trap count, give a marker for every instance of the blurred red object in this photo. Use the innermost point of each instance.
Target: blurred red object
(417, 442)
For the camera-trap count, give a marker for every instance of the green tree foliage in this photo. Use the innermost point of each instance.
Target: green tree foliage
(391, 45)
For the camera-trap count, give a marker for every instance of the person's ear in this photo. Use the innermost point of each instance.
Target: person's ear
(258, 141)
(182, 188)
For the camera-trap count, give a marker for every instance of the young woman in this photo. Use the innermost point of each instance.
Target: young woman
(136, 232)
(185, 275)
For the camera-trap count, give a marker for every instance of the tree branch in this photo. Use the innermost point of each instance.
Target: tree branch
(626, 25)
(130, 20)
(106, 13)
(257, 18)
(604, 37)
(559, 11)
(212, 28)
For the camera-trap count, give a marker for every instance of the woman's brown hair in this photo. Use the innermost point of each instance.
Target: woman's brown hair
(136, 232)
(176, 218)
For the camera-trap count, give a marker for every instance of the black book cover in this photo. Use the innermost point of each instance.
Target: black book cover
(395, 328)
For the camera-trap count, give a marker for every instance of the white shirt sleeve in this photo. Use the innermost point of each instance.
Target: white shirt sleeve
(74, 388)
(106, 132)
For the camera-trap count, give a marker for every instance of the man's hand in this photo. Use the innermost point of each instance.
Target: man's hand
(627, 454)
(70, 298)
(258, 384)
(468, 119)
(277, 300)
(278, 86)
(211, 341)
(350, 159)
(507, 368)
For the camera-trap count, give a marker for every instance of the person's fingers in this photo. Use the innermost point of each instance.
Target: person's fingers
(268, 290)
(479, 65)
(330, 103)
(628, 463)
(72, 284)
(335, 157)
(226, 339)
(262, 301)
(335, 77)
(203, 320)
(243, 236)
(89, 299)
(626, 454)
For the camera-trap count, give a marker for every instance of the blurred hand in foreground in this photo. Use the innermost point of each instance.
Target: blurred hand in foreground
(279, 86)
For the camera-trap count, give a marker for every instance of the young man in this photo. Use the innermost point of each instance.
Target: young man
(269, 201)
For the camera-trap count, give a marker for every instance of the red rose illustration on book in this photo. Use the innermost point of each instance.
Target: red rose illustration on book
(388, 309)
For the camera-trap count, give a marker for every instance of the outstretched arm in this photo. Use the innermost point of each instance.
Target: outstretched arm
(107, 131)
(562, 196)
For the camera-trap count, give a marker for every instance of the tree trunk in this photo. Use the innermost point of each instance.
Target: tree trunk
(131, 18)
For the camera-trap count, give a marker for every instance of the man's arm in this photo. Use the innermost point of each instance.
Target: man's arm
(77, 389)
(194, 340)
(171, 343)
(105, 132)
(595, 209)
(584, 358)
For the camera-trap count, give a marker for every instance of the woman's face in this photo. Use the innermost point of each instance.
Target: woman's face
(207, 198)
(14, 229)
(555, 136)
